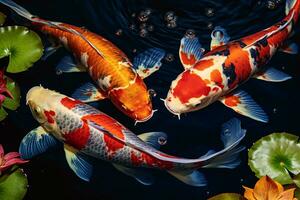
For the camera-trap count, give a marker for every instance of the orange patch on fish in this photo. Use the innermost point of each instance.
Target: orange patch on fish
(190, 86)
(232, 101)
(78, 138)
(204, 64)
(187, 59)
(70, 103)
(216, 77)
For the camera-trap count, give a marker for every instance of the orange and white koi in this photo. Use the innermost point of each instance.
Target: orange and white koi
(114, 74)
(85, 131)
(215, 75)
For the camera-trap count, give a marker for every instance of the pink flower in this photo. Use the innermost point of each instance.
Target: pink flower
(10, 159)
(3, 89)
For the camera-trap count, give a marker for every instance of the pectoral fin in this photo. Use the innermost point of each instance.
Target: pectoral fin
(78, 163)
(36, 142)
(219, 37)
(290, 48)
(273, 75)
(190, 177)
(243, 104)
(67, 65)
(148, 62)
(190, 51)
(139, 174)
(88, 93)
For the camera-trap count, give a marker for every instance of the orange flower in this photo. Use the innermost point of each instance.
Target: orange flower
(267, 189)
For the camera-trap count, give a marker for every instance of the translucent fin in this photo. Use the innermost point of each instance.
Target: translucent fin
(36, 142)
(139, 174)
(154, 139)
(290, 48)
(17, 8)
(190, 51)
(273, 75)
(49, 51)
(78, 163)
(148, 62)
(243, 104)
(67, 65)
(190, 177)
(219, 37)
(88, 93)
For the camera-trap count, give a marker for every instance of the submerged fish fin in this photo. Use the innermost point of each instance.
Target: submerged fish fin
(190, 51)
(78, 163)
(231, 135)
(148, 62)
(290, 48)
(219, 37)
(67, 64)
(154, 139)
(242, 103)
(88, 93)
(190, 177)
(139, 174)
(36, 142)
(273, 75)
(50, 50)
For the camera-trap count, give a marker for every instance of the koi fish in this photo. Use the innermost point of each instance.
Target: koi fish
(116, 77)
(215, 75)
(86, 132)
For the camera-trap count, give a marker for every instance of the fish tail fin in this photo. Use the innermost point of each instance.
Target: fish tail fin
(231, 136)
(293, 6)
(18, 9)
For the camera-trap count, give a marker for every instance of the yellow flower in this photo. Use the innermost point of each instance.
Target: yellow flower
(267, 189)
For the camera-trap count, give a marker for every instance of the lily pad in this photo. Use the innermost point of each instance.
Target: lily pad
(14, 89)
(296, 180)
(3, 114)
(227, 196)
(2, 18)
(13, 185)
(23, 46)
(276, 155)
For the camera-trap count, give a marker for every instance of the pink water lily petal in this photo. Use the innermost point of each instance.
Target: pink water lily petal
(11, 155)
(1, 151)
(14, 161)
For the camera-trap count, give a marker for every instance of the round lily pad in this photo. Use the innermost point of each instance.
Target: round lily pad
(23, 46)
(276, 155)
(13, 185)
(227, 196)
(3, 114)
(14, 89)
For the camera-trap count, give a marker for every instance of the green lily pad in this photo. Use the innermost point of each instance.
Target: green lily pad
(13, 185)
(227, 196)
(296, 180)
(3, 114)
(276, 155)
(23, 46)
(2, 18)
(14, 89)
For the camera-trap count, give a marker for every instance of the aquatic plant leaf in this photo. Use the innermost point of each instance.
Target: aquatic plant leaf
(2, 18)
(3, 114)
(227, 196)
(276, 155)
(23, 46)
(13, 185)
(296, 180)
(14, 89)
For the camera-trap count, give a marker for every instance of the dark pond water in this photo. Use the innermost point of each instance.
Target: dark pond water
(117, 20)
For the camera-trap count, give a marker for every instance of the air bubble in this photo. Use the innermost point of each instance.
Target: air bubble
(143, 16)
(169, 57)
(143, 25)
(271, 5)
(227, 132)
(150, 28)
(143, 33)
(119, 32)
(172, 24)
(209, 12)
(170, 16)
(210, 25)
(152, 93)
(132, 26)
(134, 50)
(162, 141)
(275, 110)
(190, 33)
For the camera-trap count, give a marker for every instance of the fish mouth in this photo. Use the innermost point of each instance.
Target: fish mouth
(170, 110)
(145, 119)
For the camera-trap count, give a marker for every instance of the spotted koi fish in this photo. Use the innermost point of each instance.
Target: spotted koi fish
(87, 132)
(215, 75)
(113, 73)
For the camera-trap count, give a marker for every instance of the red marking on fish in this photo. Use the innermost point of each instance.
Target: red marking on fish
(136, 160)
(70, 103)
(204, 64)
(113, 128)
(187, 59)
(232, 101)
(216, 77)
(190, 86)
(78, 138)
(49, 115)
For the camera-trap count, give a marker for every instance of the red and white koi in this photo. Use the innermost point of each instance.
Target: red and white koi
(115, 76)
(86, 131)
(215, 75)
